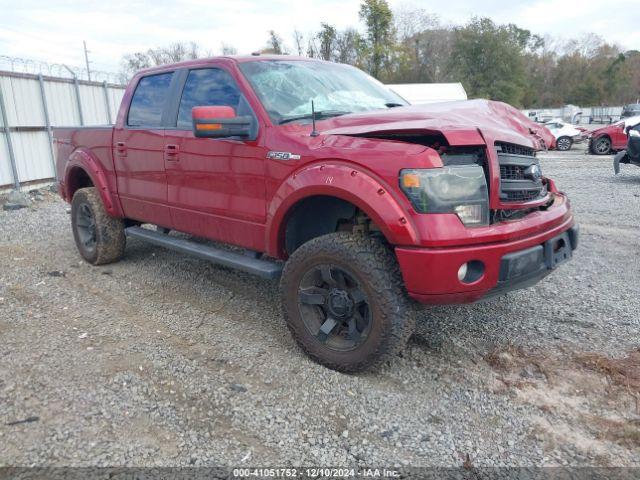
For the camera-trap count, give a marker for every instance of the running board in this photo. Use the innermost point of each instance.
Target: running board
(255, 266)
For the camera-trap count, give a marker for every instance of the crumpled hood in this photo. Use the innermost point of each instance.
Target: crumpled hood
(458, 121)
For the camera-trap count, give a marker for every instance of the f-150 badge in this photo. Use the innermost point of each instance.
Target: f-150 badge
(283, 156)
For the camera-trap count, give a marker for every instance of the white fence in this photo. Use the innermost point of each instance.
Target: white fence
(30, 105)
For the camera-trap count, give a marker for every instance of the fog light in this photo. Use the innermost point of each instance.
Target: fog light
(462, 271)
(472, 215)
(471, 272)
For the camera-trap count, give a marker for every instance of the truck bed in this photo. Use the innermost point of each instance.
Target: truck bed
(94, 141)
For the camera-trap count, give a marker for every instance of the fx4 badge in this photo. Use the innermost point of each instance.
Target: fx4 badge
(283, 156)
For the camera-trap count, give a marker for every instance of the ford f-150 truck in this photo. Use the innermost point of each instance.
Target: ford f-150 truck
(315, 173)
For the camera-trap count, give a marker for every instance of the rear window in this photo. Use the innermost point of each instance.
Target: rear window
(148, 101)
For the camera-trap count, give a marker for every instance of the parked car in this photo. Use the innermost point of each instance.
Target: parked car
(565, 134)
(326, 180)
(632, 153)
(630, 110)
(611, 138)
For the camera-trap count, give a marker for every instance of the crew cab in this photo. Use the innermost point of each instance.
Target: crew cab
(315, 173)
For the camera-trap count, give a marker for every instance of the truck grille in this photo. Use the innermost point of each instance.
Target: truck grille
(511, 149)
(512, 172)
(520, 174)
(524, 195)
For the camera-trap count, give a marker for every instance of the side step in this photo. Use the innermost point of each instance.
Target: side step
(255, 266)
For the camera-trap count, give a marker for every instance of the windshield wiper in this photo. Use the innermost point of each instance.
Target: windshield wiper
(323, 114)
(393, 104)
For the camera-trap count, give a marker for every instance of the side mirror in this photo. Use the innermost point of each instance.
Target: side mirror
(220, 122)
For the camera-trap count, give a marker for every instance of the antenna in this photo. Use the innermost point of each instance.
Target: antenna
(314, 132)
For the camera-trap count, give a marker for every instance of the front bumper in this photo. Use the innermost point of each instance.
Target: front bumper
(431, 274)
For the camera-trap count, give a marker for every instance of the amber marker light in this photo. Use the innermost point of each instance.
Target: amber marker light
(410, 180)
(208, 126)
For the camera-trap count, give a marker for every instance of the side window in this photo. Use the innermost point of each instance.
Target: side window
(206, 87)
(148, 101)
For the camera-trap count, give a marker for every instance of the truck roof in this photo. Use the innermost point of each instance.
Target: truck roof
(233, 58)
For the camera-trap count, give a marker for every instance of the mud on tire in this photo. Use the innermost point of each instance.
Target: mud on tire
(99, 237)
(344, 301)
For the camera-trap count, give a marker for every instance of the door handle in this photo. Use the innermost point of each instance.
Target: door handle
(121, 149)
(171, 152)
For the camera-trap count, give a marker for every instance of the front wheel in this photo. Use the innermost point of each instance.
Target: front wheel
(601, 146)
(344, 302)
(564, 143)
(99, 237)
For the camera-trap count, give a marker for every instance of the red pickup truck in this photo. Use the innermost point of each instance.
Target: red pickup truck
(317, 174)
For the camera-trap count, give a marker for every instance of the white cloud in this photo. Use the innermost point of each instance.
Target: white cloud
(53, 31)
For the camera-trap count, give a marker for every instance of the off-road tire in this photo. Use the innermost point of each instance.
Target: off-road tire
(564, 144)
(376, 269)
(110, 239)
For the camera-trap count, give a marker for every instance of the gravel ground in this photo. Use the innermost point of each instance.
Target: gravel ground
(163, 360)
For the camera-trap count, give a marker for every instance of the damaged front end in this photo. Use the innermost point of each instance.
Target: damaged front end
(482, 180)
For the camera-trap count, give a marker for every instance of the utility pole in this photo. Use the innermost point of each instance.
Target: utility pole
(86, 59)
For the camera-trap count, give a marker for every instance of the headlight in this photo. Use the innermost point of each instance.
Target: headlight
(459, 189)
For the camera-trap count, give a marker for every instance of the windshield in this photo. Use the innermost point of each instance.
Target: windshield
(287, 87)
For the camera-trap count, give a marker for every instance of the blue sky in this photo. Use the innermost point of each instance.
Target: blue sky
(53, 30)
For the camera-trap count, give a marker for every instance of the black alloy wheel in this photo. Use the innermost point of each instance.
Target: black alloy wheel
(86, 227)
(334, 308)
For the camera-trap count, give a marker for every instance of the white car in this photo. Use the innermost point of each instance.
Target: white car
(565, 133)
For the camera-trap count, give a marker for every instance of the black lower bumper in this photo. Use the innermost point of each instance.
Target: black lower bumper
(525, 268)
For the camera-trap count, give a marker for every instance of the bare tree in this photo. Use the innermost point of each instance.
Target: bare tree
(228, 49)
(176, 52)
(275, 44)
(409, 21)
(298, 40)
(312, 48)
(348, 47)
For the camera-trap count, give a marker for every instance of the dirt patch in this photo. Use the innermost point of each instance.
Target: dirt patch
(588, 402)
(624, 372)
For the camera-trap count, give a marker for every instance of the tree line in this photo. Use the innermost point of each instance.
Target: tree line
(498, 62)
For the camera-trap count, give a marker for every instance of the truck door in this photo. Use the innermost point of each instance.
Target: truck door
(216, 187)
(138, 152)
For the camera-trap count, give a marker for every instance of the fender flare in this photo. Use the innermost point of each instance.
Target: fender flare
(83, 159)
(348, 183)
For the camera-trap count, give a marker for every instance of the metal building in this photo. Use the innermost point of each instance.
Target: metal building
(30, 105)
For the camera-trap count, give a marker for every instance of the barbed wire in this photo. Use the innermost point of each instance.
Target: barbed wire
(27, 65)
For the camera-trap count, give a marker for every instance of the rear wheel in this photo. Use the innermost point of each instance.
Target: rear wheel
(344, 303)
(601, 146)
(99, 237)
(564, 143)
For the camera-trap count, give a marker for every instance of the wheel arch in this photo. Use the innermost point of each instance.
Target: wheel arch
(84, 170)
(345, 183)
